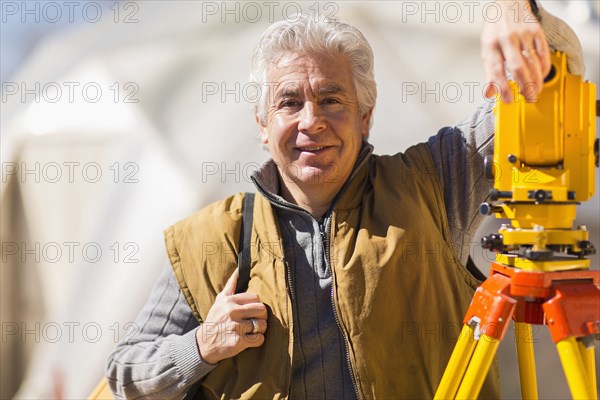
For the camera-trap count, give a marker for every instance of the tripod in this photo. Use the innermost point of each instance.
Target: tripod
(543, 164)
(570, 301)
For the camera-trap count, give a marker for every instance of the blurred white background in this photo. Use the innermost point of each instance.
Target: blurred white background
(120, 117)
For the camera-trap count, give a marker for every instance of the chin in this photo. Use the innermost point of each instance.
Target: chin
(318, 175)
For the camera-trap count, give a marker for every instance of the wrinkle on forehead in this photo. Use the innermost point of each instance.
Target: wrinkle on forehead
(301, 68)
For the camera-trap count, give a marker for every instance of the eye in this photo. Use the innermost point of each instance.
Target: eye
(290, 104)
(330, 100)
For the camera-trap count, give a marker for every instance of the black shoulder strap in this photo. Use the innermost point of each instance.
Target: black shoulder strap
(245, 236)
(243, 263)
(476, 272)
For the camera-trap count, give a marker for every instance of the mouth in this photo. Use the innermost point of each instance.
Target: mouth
(312, 149)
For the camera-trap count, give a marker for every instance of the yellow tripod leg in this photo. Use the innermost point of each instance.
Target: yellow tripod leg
(459, 360)
(526, 358)
(574, 367)
(478, 367)
(589, 362)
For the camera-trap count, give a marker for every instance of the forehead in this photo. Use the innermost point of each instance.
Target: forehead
(303, 71)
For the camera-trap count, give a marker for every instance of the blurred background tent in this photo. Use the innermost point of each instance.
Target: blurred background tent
(119, 118)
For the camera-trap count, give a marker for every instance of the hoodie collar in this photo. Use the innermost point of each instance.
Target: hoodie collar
(268, 181)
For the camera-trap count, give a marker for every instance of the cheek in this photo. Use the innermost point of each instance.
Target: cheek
(281, 130)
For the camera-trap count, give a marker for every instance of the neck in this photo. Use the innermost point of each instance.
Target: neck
(317, 199)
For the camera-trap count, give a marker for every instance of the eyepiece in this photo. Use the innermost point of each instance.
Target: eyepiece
(550, 75)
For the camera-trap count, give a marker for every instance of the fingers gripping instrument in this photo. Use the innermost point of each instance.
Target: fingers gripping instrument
(545, 153)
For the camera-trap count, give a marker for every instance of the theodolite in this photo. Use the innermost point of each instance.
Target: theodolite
(543, 167)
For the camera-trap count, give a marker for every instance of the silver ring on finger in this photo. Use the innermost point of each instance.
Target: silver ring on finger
(255, 325)
(528, 53)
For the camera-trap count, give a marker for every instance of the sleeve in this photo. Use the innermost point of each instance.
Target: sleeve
(458, 154)
(161, 359)
(561, 37)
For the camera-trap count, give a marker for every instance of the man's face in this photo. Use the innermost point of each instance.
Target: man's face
(313, 128)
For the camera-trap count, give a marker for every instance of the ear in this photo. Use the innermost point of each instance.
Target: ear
(364, 123)
(264, 137)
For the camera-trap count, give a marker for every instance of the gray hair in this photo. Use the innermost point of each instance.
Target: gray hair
(305, 34)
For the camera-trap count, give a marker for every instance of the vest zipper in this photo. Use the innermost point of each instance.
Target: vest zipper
(288, 275)
(268, 196)
(327, 245)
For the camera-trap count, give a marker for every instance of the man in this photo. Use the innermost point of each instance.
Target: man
(342, 273)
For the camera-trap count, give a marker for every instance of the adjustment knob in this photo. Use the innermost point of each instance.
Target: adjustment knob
(496, 194)
(540, 195)
(493, 242)
(489, 209)
(488, 165)
(596, 150)
(587, 248)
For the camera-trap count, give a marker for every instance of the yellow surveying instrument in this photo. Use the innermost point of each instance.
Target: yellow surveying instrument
(543, 167)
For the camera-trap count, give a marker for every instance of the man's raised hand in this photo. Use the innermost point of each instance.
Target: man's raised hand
(516, 40)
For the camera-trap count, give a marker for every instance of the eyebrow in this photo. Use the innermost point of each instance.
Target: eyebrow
(332, 88)
(288, 92)
(291, 91)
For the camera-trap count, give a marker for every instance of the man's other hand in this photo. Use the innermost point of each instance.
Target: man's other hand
(234, 323)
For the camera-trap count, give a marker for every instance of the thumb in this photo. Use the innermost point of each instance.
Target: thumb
(231, 284)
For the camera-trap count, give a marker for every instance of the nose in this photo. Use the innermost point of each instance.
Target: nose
(311, 120)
